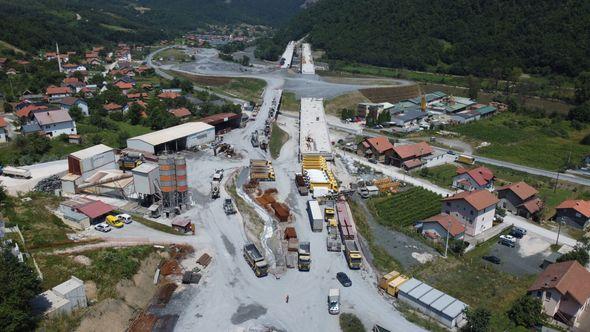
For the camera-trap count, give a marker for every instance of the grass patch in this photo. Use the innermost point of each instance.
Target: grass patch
(173, 55)
(350, 323)
(418, 319)
(348, 101)
(405, 208)
(520, 139)
(289, 102)
(108, 267)
(156, 225)
(441, 175)
(249, 89)
(278, 138)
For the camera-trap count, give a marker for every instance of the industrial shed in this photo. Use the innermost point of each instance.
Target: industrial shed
(145, 177)
(177, 138)
(223, 122)
(430, 301)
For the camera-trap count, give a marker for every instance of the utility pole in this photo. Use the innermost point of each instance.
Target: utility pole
(560, 222)
(447, 244)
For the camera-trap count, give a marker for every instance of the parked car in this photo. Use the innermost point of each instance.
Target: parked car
(520, 230)
(114, 221)
(516, 233)
(344, 279)
(451, 152)
(125, 218)
(102, 227)
(508, 240)
(372, 160)
(492, 259)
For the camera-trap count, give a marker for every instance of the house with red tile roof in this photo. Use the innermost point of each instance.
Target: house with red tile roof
(3, 130)
(574, 213)
(474, 179)
(564, 291)
(475, 209)
(124, 86)
(521, 199)
(439, 226)
(55, 93)
(410, 156)
(113, 107)
(181, 113)
(379, 148)
(25, 112)
(168, 95)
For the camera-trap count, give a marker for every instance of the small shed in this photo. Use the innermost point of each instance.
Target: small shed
(61, 299)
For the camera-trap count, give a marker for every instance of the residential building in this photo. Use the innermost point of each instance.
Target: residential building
(55, 93)
(378, 148)
(474, 179)
(363, 109)
(169, 95)
(408, 120)
(3, 130)
(476, 209)
(520, 198)
(574, 213)
(180, 113)
(442, 225)
(55, 122)
(68, 102)
(564, 290)
(113, 107)
(410, 156)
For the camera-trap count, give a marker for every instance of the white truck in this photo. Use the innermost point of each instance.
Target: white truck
(334, 301)
(315, 216)
(15, 172)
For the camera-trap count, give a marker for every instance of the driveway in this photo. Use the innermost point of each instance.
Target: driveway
(525, 258)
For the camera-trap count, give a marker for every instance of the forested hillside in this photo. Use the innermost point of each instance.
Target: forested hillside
(487, 38)
(35, 24)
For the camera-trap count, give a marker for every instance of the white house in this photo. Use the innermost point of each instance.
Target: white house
(475, 209)
(55, 122)
(68, 102)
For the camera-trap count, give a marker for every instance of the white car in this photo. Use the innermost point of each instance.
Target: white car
(124, 218)
(103, 227)
(508, 240)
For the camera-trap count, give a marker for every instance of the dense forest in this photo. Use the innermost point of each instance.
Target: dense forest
(38, 24)
(485, 38)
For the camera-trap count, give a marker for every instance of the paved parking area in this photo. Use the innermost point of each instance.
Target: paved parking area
(525, 258)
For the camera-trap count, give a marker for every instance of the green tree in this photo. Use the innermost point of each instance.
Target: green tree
(526, 311)
(478, 320)
(351, 323)
(580, 113)
(582, 86)
(76, 113)
(579, 254)
(134, 113)
(384, 117)
(18, 286)
(474, 86)
(245, 61)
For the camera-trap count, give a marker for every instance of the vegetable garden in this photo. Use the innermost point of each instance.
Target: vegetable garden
(405, 208)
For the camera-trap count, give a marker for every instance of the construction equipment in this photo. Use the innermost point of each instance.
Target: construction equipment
(255, 259)
(393, 286)
(228, 207)
(353, 254)
(330, 216)
(260, 162)
(262, 173)
(334, 243)
(301, 184)
(15, 172)
(304, 256)
(386, 279)
(128, 163)
(254, 139)
(334, 301)
(218, 175)
(465, 159)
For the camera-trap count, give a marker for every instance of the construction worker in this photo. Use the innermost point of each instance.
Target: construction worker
(287, 299)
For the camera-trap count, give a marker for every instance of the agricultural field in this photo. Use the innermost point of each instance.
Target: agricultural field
(542, 143)
(392, 94)
(403, 209)
(348, 101)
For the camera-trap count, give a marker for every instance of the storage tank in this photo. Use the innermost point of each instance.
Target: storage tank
(181, 180)
(167, 174)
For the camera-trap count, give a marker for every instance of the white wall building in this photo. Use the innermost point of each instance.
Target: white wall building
(55, 122)
(185, 136)
(61, 299)
(475, 209)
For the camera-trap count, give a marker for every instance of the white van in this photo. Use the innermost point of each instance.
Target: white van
(125, 218)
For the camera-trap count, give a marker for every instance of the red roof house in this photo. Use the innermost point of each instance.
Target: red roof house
(474, 179)
(475, 209)
(440, 225)
(376, 147)
(575, 213)
(180, 113)
(410, 156)
(520, 198)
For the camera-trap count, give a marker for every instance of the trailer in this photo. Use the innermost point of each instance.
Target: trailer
(15, 172)
(315, 215)
(304, 256)
(333, 242)
(256, 260)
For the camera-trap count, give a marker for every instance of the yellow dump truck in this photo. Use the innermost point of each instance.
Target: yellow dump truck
(465, 159)
(386, 279)
(393, 286)
(330, 217)
(353, 254)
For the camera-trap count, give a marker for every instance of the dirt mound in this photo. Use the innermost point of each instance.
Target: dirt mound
(81, 259)
(169, 267)
(107, 315)
(391, 94)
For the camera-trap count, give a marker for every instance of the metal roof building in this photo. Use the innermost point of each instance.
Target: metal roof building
(177, 138)
(430, 301)
(314, 138)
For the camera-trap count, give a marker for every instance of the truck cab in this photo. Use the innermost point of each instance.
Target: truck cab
(330, 217)
(334, 301)
(255, 259)
(304, 256)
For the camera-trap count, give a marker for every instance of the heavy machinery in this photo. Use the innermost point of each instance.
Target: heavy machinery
(215, 189)
(301, 184)
(218, 175)
(262, 173)
(260, 162)
(255, 139)
(353, 254)
(128, 163)
(228, 207)
(255, 259)
(304, 256)
(330, 217)
(333, 242)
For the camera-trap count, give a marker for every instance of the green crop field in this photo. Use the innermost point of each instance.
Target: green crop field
(405, 208)
(542, 143)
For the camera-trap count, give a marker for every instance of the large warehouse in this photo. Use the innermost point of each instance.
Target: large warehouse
(314, 138)
(177, 138)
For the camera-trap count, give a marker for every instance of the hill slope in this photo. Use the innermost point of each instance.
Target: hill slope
(35, 24)
(455, 36)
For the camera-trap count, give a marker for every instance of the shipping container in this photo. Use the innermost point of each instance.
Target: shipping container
(315, 215)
